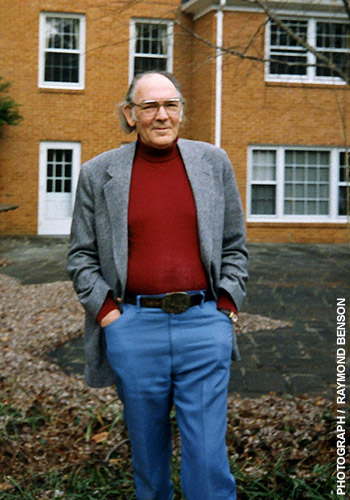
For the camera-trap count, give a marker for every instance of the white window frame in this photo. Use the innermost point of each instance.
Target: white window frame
(80, 51)
(310, 76)
(132, 42)
(279, 216)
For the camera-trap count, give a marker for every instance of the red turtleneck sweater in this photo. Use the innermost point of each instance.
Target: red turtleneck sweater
(163, 246)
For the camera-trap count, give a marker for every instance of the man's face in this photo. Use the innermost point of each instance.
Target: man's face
(161, 129)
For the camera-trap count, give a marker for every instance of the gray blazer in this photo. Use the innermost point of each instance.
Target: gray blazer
(98, 254)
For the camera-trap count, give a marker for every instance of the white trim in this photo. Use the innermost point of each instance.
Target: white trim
(279, 217)
(81, 51)
(199, 8)
(170, 36)
(46, 224)
(218, 73)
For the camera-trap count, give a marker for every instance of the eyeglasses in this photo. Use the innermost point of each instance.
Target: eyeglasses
(150, 108)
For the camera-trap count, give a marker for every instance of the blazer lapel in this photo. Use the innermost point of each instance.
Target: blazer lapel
(117, 198)
(200, 178)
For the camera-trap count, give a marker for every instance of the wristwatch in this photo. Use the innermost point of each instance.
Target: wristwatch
(233, 316)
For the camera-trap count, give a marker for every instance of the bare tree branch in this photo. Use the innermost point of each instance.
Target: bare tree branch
(243, 54)
(303, 43)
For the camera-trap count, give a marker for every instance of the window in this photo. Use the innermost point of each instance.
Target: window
(61, 54)
(287, 57)
(297, 184)
(289, 61)
(59, 171)
(264, 182)
(150, 46)
(306, 182)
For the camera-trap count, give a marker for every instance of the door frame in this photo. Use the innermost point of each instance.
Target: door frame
(49, 226)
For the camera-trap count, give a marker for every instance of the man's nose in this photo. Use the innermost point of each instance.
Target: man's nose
(161, 113)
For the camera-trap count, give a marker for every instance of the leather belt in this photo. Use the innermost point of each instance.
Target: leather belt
(173, 303)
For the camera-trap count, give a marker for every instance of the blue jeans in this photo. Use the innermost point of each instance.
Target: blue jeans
(161, 360)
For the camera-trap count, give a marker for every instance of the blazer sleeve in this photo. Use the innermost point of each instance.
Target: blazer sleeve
(234, 258)
(83, 263)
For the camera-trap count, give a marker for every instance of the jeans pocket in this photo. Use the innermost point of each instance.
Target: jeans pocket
(114, 325)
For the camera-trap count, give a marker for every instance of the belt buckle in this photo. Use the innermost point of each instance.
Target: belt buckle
(176, 302)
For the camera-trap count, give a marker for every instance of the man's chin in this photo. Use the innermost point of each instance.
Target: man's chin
(163, 140)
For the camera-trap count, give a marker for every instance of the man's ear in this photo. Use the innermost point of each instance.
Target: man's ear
(129, 115)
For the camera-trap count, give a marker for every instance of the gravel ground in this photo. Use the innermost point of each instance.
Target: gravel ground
(35, 319)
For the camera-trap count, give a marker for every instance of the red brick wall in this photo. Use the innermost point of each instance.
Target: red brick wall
(258, 112)
(254, 112)
(88, 115)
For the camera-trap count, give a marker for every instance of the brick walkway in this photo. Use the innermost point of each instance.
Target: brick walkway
(298, 283)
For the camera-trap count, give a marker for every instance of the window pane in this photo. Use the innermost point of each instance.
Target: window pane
(342, 166)
(300, 157)
(324, 191)
(324, 174)
(288, 65)
(67, 186)
(289, 174)
(323, 208)
(61, 67)
(333, 35)
(59, 171)
(264, 165)
(263, 200)
(142, 64)
(62, 33)
(311, 208)
(68, 155)
(288, 208)
(339, 59)
(287, 57)
(311, 191)
(68, 169)
(311, 174)
(311, 158)
(299, 191)
(288, 190)
(306, 182)
(151, 39)
(334, 40)
(58, 186)
(299, 173)
(342, 208)
(50, 170)
(299, 208)
(280, 37)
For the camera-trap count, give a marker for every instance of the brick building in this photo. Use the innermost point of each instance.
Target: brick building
(285, 122)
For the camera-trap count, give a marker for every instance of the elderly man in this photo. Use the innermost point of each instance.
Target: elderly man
(158, 260)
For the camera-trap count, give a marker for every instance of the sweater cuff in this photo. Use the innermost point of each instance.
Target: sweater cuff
(108, 306)
(225, 302)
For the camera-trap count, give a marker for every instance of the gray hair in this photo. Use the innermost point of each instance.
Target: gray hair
(130, 95)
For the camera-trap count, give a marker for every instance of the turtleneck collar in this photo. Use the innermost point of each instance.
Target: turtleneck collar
(154, 154)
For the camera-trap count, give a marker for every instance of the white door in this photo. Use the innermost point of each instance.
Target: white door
(58, 174)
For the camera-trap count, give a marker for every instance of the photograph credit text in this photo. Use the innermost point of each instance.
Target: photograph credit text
(341, 396)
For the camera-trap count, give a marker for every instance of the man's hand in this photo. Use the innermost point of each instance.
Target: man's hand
(110, 317)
